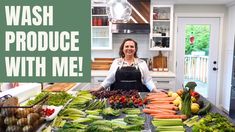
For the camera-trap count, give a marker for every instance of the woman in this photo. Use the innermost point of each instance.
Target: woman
(128, 72)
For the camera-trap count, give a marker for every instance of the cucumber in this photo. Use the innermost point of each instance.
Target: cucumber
(205, 109)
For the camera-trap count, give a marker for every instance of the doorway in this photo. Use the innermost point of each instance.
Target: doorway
(197, 54)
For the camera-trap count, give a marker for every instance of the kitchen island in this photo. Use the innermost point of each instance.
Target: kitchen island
(148, 126)
(214, 109)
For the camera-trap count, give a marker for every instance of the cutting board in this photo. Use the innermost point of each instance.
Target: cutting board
(160, 61)
(101, 63)
(103, 59)
(56, 87)
(100, 67)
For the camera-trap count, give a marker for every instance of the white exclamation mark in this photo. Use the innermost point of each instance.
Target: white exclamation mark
(80, 59)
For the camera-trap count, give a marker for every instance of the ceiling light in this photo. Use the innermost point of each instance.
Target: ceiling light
(119, 11)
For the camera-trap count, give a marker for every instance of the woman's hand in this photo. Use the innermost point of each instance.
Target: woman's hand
(155, 90)
(96, 89)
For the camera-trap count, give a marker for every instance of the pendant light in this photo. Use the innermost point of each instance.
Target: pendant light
(118, 11)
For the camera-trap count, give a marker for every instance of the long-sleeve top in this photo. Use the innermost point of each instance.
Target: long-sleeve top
(138, 63)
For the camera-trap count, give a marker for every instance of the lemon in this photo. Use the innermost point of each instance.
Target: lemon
(175, 95)
(170, 93)
(178, 98)
(196, 104)
(176, 102)
(194, 108)
(193, 99)
(180, 106)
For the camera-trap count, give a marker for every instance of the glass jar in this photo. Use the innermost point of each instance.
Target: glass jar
(164, 15)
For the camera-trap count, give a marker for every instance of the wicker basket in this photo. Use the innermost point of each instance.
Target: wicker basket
(15, 118)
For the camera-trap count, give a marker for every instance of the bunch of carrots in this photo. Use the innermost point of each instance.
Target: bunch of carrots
(161, 106)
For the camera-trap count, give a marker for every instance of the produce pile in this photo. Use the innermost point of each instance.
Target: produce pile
(121, 111)
(164, 113)
(213, 122)
(106, 94)
(56, 99)
(170, 111)
(19, 119)
(121, 99)
(88, 113)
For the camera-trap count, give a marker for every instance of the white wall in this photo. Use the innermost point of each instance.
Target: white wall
(142, 40)
(143, 48)
(228, 58)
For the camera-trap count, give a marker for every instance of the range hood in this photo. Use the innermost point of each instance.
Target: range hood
(138, 28)
(140, 18)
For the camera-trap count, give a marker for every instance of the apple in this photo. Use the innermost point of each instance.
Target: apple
(195, 95)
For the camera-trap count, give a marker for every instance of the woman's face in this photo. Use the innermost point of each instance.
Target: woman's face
(129, 48)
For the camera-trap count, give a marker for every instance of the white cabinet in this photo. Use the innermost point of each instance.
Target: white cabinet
(161, 24)
(97, 79)
(165, 83)
(101, 29)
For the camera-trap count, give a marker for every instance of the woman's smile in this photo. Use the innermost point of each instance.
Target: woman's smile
(129, 48)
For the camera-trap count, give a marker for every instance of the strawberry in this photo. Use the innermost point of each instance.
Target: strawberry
(140, 104)
(145, 101)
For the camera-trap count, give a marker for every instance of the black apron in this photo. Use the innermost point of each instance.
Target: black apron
(128, 78)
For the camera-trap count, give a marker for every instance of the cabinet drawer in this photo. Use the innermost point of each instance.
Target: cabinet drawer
(165, 83)
(98, 79)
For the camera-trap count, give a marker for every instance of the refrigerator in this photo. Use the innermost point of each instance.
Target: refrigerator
(232, 98)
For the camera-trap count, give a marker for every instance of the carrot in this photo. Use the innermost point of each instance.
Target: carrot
(169, 107)
(159, 116)
(160, 105)
(162, 99)
(156, 96)
(155, 111)
(169, 111)
(161, 102)
(164, 107)
(157, 93)
(162, 113)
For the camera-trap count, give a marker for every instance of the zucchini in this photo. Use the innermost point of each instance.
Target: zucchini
(205, 109)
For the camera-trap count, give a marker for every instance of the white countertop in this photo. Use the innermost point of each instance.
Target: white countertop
(104, 73)
(23, 92)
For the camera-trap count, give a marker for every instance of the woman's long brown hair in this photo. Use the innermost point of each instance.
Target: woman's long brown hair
(121, 54)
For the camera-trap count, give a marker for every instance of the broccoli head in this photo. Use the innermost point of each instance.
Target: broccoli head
(191, 85)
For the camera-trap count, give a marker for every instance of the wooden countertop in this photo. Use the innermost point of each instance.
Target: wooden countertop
(104, 73)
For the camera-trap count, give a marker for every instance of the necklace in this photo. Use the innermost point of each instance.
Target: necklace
(129, 61)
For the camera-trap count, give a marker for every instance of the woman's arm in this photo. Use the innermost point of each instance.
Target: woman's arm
(97, 88)
(110, 78)
(147, 79)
